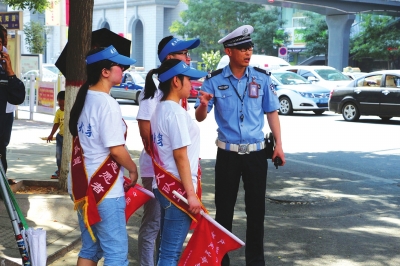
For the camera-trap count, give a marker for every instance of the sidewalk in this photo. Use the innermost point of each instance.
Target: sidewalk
(31, 160)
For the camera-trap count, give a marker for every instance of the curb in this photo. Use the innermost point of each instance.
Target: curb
(62, 238)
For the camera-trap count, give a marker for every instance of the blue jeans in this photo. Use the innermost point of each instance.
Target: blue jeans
(110, 232)
(174, 229)
(59, 143)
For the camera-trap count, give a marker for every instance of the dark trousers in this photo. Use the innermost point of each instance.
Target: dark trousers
(252, 168)
(5, 136)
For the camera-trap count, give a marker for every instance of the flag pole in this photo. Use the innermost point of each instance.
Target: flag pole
(210, 219)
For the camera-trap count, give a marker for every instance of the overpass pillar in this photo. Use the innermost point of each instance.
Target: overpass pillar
(339, 40)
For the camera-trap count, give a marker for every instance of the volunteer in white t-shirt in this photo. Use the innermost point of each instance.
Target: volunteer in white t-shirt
(176, 147)
(168, 48)
(98, 161)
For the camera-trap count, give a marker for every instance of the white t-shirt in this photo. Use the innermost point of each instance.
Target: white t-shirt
(146, 110)
(100, 126)
(173, 128)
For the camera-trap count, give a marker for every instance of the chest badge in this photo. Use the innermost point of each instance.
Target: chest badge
(223, 87)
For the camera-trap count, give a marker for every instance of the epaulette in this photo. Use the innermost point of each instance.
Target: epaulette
(214, 73)
(262, 71)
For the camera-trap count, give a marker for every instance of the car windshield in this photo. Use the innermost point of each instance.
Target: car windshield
(289, 78)
(52, 68)
(331, 74)
(134, 77)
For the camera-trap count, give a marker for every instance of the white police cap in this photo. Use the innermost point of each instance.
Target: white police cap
(237, 37)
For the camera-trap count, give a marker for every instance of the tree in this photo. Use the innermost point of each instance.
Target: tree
(34, 36)
(379, 39)
(38, 5)
(211, 59)
(267, 37)
(79, 38)
(315, 35)
(210, 20)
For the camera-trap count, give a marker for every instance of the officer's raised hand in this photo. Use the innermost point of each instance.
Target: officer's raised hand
(201, 110)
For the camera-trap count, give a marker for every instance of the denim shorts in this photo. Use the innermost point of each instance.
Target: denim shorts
(174, 229)
(110, 232)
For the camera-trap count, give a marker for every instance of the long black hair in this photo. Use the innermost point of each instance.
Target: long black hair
(93, 76)
(165, 87)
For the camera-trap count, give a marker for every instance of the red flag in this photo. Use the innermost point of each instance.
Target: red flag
(208, 244)
(135, 197)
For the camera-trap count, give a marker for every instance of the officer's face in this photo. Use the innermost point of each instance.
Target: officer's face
(239, 57)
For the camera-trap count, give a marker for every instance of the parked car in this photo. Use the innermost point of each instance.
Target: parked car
(131, 85)
(295, 93)
(377, 93)
(324, 76)
(354, 75)
(47, 75)
(194, 91)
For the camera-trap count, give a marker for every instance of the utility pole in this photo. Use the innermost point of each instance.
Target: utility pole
(125, 18)
(63, 24)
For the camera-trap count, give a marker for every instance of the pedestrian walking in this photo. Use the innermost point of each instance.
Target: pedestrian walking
(58, 123)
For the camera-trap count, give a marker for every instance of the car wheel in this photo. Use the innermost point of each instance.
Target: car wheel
(350, 112)
(385, 118)
(319, 112)
(286, 106)
(137, 98)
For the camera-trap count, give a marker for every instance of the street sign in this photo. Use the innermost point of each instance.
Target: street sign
(282, 52)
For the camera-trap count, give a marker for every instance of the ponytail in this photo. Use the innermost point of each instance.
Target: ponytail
(77, 109)
(150, 87)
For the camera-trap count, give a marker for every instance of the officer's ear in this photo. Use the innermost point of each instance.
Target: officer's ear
(228, 51)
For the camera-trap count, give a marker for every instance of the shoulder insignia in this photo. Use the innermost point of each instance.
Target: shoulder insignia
(214, 73)
(262, 71)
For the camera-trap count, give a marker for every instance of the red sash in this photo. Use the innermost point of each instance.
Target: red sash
(88, 196)
(167, 182)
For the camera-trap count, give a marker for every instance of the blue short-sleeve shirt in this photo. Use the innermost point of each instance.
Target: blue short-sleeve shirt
(240, 118)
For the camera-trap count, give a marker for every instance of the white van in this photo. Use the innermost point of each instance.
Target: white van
(258, 60)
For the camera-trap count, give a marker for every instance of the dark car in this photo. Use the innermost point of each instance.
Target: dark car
(131, 85)
(377, 93)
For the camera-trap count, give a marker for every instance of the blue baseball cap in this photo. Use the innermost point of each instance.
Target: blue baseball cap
(110, 53)
(176, 45)
(181, 69)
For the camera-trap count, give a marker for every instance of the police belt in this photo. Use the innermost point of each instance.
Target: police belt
(240, 148)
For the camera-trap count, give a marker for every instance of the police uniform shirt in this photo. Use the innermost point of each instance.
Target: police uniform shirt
(229, 108)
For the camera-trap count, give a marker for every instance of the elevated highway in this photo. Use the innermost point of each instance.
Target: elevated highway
(340, 15)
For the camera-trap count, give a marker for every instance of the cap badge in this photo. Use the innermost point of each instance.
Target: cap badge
(245, 32)
(175, 42)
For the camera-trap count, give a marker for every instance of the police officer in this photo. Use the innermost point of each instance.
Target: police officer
(241, 95)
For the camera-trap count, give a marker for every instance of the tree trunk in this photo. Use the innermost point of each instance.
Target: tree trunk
(79, 38)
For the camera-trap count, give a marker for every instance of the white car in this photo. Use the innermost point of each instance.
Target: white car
(265, 62)
(295, 93)
(47, 75)
(131, 85)
(324, 76)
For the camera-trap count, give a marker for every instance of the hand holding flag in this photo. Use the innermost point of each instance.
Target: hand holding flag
(135, 197)
(209, 242)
